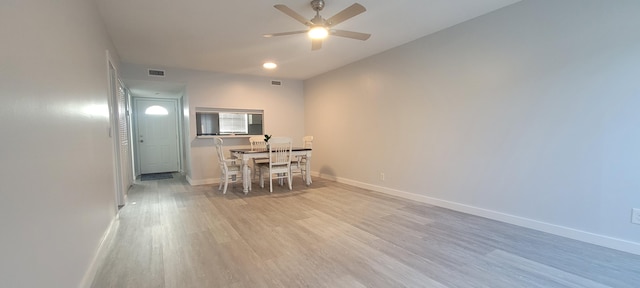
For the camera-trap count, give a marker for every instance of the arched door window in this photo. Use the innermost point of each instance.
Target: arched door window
(156, 110)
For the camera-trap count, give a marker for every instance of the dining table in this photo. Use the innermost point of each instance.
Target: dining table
(247, 154)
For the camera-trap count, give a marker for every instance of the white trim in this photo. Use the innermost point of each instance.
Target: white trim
(112, 102)
(134, 120)
(228, 110)
(226, 136)
(206, 181)
(583, 236)
(101, 253)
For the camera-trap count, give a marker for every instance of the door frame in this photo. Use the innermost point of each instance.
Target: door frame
(112, 102)
(134, 129)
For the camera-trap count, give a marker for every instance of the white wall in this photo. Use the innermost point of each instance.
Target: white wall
(56, 172)
(283, 110)
(529, 115)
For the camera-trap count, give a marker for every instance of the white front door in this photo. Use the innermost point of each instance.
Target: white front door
(157, 129)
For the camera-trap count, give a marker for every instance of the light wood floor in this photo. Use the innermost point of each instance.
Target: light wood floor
(332, 235)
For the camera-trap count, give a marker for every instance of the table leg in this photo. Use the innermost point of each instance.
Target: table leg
(308, 169)
(246, 180)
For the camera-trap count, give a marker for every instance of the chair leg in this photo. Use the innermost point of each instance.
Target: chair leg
(270, 182)
(303, 176)
(289, 180)
(255, 171)
(226, 183)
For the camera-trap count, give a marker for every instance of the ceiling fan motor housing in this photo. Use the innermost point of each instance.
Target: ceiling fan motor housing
(317, 5)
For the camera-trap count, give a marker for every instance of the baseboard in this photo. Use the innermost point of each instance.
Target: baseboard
(207, 181)
(100, 254)
(583, 236)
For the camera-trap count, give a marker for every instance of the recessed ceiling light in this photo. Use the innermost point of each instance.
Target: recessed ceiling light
(269, 65)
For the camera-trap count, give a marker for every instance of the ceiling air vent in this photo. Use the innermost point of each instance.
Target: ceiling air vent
(154, 72)
(276, 83)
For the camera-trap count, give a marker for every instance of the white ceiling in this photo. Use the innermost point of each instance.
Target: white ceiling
(226, 36)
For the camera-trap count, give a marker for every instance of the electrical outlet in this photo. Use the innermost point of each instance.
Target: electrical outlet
(382, 176)
(635, 216)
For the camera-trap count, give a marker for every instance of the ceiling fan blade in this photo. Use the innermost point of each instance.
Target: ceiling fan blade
(284, 33)
(316, 44)
(351, 34)
(345, 14)
(293, 14)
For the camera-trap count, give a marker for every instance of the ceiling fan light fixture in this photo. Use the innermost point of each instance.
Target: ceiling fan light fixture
(318, 32)
(319, 27)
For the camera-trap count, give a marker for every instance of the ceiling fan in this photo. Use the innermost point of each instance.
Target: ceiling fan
(320, 28)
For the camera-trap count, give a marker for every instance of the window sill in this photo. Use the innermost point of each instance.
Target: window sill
(224, 136)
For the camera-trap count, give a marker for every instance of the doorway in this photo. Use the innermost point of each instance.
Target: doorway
(119, 122)
(156, 135)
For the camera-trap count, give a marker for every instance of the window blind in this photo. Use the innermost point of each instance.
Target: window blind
(233, 123)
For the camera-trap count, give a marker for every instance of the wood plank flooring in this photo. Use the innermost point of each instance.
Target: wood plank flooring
(171, 234)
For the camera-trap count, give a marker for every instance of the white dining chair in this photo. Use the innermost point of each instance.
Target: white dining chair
(230, 169)
(257, 143)
(307, 141)
(299, 163)
(279, 165)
